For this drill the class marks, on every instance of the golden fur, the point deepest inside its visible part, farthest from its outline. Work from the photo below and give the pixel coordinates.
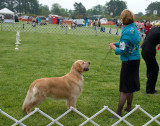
(66, 87)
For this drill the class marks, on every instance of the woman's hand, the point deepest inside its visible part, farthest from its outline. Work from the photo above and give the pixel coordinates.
(112, 46)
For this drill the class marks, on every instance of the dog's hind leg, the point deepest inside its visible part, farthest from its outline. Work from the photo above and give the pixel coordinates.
(71, 102)
(33, 104)
(32, 99)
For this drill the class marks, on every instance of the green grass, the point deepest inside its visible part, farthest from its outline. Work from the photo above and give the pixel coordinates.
(52, 55)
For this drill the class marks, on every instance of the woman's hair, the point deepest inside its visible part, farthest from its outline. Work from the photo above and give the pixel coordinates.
(147, 23)
(127, 17)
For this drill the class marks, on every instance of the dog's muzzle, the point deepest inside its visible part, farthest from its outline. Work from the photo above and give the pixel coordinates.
(86, 69)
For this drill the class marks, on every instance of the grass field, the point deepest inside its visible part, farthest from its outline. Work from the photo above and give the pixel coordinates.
(52, 55)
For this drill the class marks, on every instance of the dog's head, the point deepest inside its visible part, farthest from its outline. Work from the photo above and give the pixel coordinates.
(81, 66)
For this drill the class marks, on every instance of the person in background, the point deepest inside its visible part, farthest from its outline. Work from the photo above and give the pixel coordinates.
(73, 25)
(142, 27)
(116, 22)
(33, 22)
(96, 24)
(2, 18)
(142, 30)
(28, 20)
(128, 49)
(149, 55)
(137, 24)
(58, 21)
(39, 20)
(16, 18)
(148, 26)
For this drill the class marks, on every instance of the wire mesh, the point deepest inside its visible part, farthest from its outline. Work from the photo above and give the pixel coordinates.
(60, 29)
(19, 122)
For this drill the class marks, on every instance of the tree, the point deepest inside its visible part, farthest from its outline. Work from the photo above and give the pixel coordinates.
(98, 10)
(44, 10)
(89, 12)
(64, 12)
(151, 7)
(1, 4)
(10, 4)
(21, 6)
(115, 7)
(139, 14)
(71, 14)
(56, 9)
(80, 10)
(31, 6)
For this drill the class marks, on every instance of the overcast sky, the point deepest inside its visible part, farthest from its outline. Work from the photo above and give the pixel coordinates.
(134, 5)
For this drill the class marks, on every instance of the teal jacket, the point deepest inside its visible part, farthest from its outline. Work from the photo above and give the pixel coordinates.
(128, 45)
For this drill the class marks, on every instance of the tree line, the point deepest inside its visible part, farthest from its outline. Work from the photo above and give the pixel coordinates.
(111, 9)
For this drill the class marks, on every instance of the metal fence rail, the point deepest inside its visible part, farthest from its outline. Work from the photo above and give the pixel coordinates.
(56, 121)
(60, 29)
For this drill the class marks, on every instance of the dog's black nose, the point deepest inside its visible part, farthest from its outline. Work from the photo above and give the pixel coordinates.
(89, 63)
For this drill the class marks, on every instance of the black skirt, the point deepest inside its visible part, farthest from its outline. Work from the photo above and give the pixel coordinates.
(129, 76)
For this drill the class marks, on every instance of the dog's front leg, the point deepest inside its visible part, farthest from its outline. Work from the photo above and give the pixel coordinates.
(71, 102)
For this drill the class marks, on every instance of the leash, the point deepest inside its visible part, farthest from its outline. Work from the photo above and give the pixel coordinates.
(108, 52)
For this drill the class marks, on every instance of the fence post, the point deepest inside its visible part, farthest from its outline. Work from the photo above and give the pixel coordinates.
(35, 27)
(23, 26)
(117, 32)
(104, 30)
(66, 29)
(95, 27)
(110, 31)
(1, 26)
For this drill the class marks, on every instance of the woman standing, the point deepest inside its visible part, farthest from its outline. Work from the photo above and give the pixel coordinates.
(128, 49)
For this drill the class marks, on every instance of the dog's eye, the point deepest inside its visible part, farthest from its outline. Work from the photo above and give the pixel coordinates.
(82, 63)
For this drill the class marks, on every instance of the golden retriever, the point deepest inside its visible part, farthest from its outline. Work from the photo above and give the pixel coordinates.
(67, 87)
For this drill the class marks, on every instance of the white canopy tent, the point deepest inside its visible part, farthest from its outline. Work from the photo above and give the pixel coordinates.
(6, 11)
(8, 14)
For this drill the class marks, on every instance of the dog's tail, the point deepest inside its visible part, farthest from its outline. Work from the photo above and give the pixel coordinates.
(30, 97)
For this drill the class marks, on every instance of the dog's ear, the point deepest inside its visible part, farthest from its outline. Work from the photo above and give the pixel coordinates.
(79, 68)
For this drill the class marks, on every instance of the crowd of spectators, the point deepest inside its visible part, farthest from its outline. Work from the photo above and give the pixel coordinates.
(143, 27)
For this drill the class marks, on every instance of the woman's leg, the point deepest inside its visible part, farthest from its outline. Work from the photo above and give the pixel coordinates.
(129, 102)
(122, 100)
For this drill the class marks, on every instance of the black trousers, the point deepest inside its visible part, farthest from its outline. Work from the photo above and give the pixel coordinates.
(152, 70)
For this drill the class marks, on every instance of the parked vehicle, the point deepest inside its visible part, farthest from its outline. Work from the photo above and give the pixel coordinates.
(79, 22)
(27, 18)
(103, 21)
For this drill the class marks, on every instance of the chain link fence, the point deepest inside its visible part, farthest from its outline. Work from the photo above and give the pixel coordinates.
(88, 120)
(60, 29)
